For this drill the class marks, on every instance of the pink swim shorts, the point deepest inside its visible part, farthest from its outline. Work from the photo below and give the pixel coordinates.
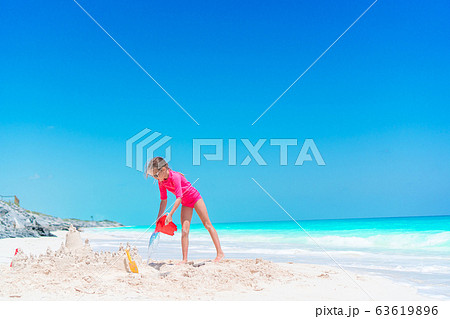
(190, 200)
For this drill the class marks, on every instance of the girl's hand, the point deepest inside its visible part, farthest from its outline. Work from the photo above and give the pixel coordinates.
(168, 219)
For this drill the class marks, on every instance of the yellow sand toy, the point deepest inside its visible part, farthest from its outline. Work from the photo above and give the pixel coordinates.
(132, 263)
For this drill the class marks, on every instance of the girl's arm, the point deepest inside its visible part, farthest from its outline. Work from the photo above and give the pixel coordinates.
(172, 211)
(162, 207)
(178, 194)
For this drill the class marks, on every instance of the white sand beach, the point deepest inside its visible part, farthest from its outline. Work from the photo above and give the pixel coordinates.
(59, 270)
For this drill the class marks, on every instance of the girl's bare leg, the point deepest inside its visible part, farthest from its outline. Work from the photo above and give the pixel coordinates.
(186, 216)
(200, 208)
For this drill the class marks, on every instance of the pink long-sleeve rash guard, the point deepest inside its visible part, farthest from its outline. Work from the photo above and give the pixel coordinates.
(177, 184)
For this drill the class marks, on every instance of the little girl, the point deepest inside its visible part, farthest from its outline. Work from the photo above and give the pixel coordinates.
(188, 197)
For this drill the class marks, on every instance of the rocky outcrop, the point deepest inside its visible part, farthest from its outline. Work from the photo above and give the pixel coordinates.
(16, 221)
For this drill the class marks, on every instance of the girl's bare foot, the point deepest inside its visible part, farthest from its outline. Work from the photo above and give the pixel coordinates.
(182, 262)
(219, 257)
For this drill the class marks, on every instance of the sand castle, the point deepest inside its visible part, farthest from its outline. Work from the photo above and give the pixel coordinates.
(73, 252)
(73, 239)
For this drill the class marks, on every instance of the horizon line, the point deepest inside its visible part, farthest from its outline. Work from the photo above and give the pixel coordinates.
(317, 219)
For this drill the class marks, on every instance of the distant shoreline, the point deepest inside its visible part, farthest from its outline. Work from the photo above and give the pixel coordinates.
(17, 222)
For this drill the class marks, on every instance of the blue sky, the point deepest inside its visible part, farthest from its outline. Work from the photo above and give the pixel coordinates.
(376, 105)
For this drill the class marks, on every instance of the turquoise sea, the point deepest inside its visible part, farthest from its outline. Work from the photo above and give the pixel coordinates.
(410, 250)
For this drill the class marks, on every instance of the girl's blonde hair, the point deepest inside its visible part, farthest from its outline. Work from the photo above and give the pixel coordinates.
(155, 163)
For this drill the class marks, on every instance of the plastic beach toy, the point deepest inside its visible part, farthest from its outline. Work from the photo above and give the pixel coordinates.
(168, 229)
(132, 263)
(17, 250)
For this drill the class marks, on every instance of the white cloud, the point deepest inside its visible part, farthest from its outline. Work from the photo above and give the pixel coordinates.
(34, 177)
